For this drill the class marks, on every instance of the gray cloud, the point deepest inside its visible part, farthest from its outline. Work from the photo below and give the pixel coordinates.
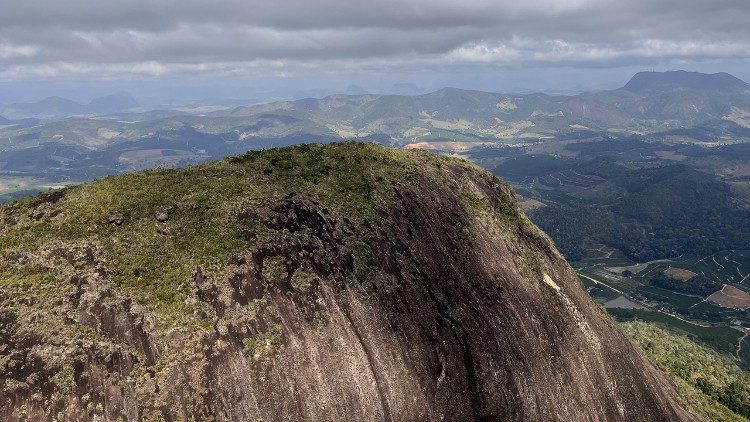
(87, 38)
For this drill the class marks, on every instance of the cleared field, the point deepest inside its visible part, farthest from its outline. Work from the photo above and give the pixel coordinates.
(450, 145)
(531, 204)
(15, 187)
(618, 282)
(731, 297)
(679, 273)
(635, 269)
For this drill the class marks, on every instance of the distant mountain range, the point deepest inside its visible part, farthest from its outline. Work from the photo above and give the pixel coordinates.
(109, 136)
(649, 103)
(674, 98)
(57, 107)
(680, 79)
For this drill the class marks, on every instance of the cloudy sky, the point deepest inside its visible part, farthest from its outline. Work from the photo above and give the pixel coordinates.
(190, 49)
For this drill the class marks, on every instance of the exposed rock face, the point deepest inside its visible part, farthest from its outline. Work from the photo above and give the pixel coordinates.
(444, 304)
(117, 219)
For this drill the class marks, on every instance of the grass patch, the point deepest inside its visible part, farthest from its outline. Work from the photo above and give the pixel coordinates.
(710, 384)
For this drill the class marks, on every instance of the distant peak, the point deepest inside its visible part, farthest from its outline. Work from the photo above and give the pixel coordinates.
(113, 103)
(680, 79)
(56, 99)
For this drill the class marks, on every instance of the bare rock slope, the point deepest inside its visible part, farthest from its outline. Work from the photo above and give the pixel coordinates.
(341, 282)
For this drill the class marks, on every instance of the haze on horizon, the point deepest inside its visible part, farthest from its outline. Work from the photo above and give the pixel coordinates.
(164, 51)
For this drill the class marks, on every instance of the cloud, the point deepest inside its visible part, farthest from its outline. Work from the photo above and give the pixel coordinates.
(10, 51)
(48, 39)
(537, 52)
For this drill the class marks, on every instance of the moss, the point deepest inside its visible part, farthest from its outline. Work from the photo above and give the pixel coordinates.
(64, 383)
(302, 280)
(274, 267)
(263, 344)
(362, 257)
(28, 278)
(476, 202)
(508, 211)
(532, 265)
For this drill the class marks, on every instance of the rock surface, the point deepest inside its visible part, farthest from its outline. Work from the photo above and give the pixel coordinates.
(161, 216)
(117, 219)
(385, 285)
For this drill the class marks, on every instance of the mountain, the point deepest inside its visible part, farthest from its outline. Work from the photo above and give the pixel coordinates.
(114, 103)
(51, 107)
(4, 121)
(644, 82)
(57, 107)
(340, 282)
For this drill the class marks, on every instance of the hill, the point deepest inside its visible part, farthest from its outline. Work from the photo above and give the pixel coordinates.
(647, 213)
(51, 107)
(680, 79)
(335, 282)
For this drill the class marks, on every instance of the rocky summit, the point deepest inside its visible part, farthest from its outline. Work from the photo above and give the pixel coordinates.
(342, 282)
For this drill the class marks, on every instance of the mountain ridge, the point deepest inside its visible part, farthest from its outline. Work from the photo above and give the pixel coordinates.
(680, 79)
(197, 292)
(56, 107)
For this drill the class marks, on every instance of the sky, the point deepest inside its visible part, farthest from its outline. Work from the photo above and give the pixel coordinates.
(180, 51)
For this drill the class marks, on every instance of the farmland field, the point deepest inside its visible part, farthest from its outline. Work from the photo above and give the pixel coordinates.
(719, 318)
(731, 297)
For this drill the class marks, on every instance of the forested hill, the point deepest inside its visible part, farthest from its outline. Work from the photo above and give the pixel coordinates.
(646, 213)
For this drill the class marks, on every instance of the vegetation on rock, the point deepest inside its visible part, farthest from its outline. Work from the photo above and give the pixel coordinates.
(342, 281)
